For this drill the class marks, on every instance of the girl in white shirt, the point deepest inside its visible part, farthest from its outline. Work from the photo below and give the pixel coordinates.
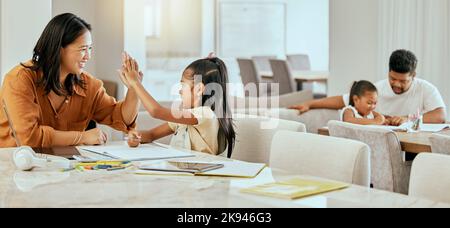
(363, 102)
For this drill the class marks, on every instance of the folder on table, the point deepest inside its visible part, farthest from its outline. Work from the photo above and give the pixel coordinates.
(295, 188)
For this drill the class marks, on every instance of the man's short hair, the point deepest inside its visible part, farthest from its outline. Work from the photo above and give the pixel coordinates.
(403, 61)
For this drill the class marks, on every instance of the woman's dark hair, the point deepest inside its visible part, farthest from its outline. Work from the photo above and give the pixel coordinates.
(359, 89)
(403, 61)
(214, 74)
(61, 31)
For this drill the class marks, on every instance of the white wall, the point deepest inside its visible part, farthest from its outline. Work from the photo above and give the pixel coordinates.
(109, 40)
(189, 28)
(134, 30)
(85, 9)
(308, 31)
(353, 43)
(181, 30)
(208, 27)
(20, 31)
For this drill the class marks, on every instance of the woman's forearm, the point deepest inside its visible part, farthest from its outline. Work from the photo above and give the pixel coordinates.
(130, 107)
(67, 138)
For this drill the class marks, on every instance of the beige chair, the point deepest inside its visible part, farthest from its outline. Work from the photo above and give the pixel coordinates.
(254, 136)
(321, 156)
(111, 88)
(250, 76)
(262, 64)
(299, 62)
(440, 144)
(430, 177)
(302, 62)
(248, 71)
(282, 76)
(389, 170)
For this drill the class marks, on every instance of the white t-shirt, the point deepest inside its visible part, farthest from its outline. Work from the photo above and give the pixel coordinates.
(201, 137)
(421, 96)
(371, 116)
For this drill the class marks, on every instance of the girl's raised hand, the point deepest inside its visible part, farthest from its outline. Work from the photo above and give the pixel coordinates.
(131, 76)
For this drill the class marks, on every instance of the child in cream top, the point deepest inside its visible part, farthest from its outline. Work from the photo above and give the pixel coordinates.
(201, 137)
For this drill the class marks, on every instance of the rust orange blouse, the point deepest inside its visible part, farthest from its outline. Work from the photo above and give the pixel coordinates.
(35, 119)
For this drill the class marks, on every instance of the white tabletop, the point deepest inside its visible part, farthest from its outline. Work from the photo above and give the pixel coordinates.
(46, 188)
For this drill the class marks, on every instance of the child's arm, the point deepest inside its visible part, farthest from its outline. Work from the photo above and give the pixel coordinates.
(380, 118)
(157, 133)
(137, 137)
(130, 76)
(349, 117)
(162, 113)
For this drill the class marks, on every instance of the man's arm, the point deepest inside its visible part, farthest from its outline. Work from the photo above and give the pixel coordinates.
(336, 102)
(437, 116)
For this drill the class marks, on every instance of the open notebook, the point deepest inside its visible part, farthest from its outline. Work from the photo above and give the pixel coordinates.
(144, 152)
(229, 169)
(295, 188)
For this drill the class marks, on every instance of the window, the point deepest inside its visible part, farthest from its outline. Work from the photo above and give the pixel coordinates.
(152, 16)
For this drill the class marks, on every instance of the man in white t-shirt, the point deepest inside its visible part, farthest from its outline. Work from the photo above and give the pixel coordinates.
(400, 95)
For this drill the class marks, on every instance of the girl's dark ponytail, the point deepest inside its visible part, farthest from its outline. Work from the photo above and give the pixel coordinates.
(226, 120)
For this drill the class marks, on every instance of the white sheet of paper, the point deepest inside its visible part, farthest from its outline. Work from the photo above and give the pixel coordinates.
(237, 169)
(433, 127)
(143, 152)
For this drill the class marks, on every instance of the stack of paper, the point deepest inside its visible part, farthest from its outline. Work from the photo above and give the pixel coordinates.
(434, 127)
(295, 188)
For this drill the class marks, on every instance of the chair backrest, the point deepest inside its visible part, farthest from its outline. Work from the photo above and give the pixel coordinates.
(321, 156)
(440, 144)
(282, 76)
(248, 71)
(430, 177)
(255, 134)
(299, 62)
(316, 118)
(262, 63)
(389, 171)
(111, 88)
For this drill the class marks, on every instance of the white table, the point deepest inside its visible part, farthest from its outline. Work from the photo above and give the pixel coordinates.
(42, 188)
